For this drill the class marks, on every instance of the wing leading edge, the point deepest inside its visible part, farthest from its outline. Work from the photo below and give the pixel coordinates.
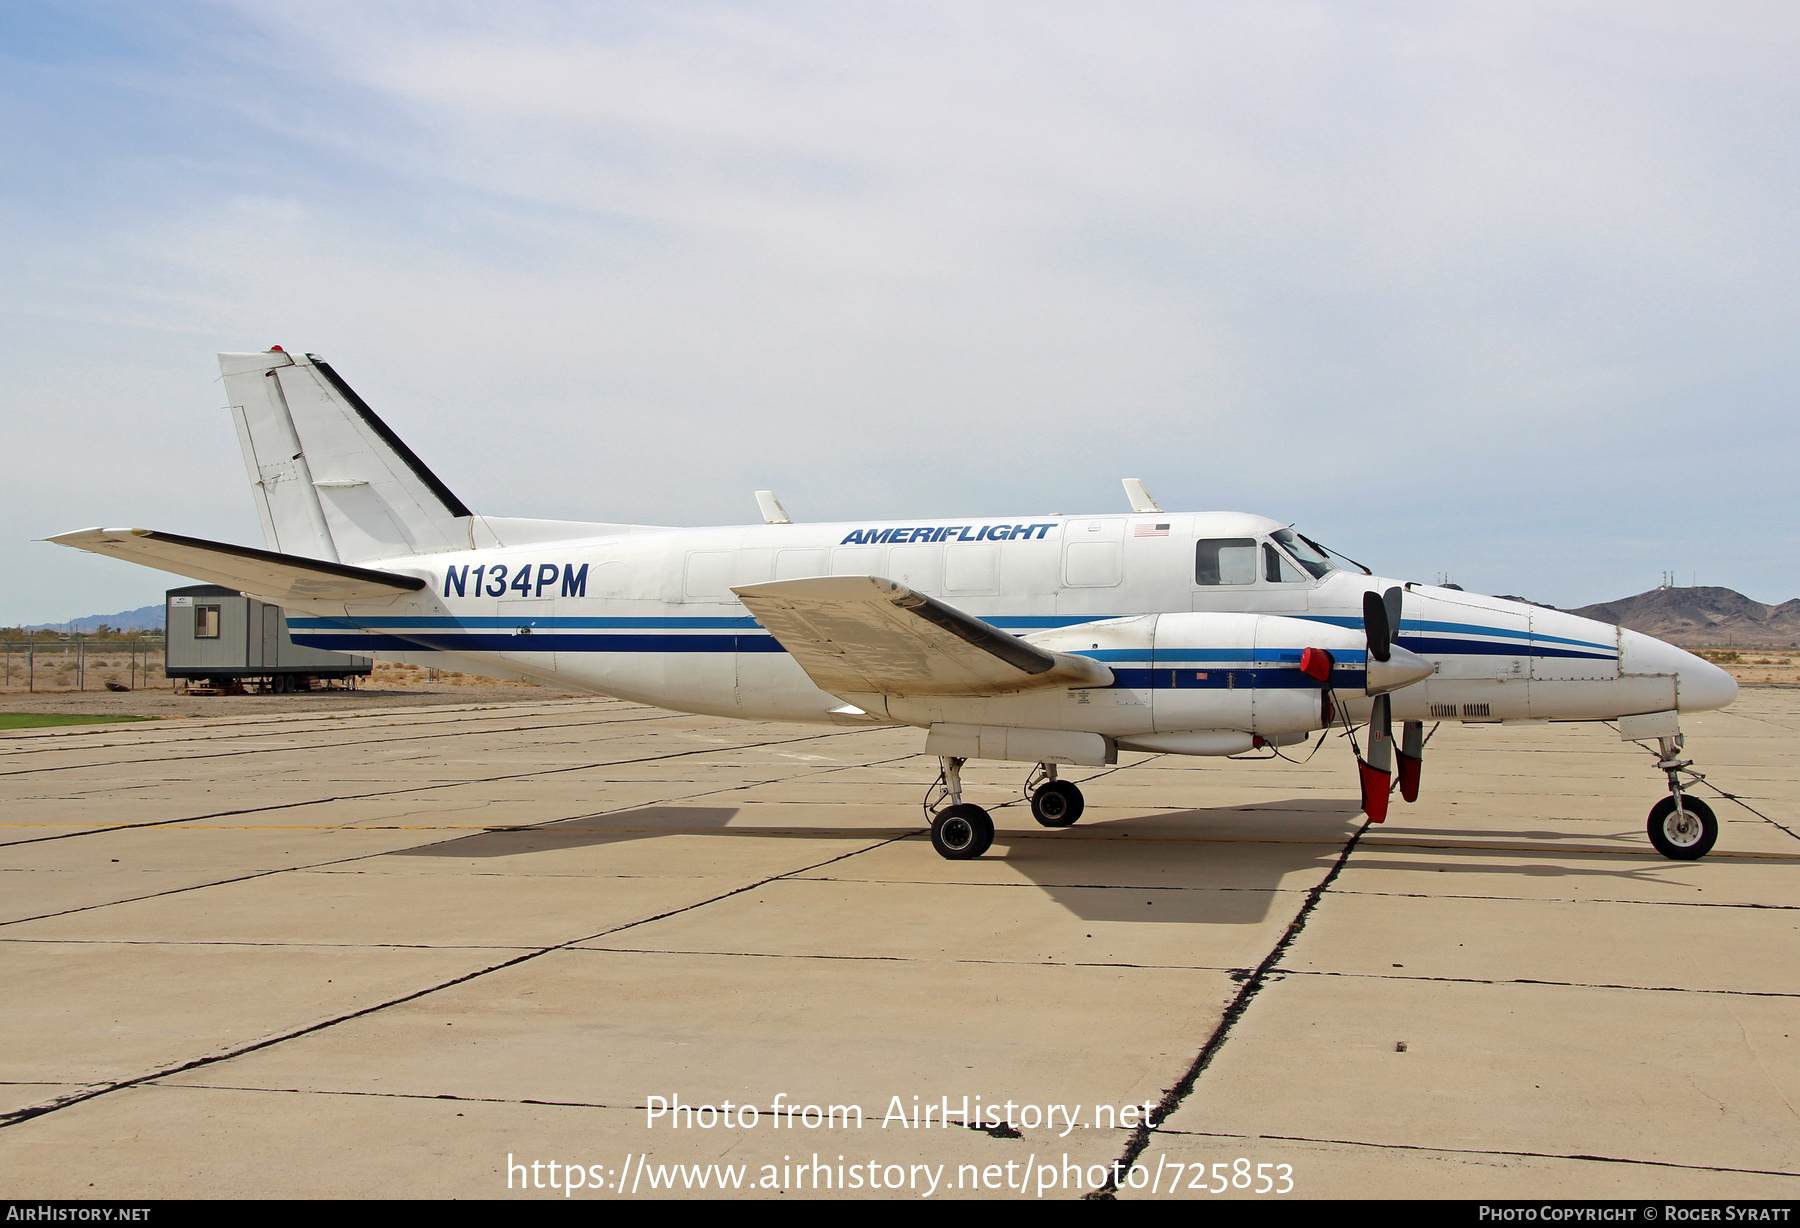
(866, 635)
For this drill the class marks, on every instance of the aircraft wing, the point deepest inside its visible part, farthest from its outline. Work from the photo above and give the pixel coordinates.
(279, 578)
(866, 635)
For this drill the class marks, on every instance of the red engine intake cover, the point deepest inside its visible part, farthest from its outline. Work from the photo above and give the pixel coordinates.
(1316, 663)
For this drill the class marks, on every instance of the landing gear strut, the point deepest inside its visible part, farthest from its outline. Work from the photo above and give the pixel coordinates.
(1681, 827)
(960, 831)
(1054, 803)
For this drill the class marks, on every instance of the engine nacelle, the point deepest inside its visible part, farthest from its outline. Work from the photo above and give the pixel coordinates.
(1213, 673)
(1219, 681)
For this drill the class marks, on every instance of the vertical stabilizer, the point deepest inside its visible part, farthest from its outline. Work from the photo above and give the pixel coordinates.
(331, 480)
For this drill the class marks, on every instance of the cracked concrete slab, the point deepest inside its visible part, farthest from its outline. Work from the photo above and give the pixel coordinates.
(91, 1013)
(1650, 946)
(461, 1148)
(614, 1027)
(1683, 1078)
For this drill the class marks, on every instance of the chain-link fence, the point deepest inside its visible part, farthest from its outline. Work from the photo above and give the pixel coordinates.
(81, 665)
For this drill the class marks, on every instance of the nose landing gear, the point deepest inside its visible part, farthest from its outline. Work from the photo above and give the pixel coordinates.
(1682, 827)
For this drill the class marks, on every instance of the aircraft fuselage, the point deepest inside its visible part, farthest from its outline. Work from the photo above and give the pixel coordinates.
(648, 615)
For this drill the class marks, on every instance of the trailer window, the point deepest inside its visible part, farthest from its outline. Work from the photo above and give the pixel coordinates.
(206, 622)
(1225, 560)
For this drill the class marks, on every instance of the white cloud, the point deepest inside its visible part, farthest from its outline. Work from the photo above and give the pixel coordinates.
(1451, 284)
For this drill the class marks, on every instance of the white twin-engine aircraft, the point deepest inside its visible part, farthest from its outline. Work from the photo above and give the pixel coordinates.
(1046, 639)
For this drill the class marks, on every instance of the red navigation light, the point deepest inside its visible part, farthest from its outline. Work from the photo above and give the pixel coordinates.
(275, 349)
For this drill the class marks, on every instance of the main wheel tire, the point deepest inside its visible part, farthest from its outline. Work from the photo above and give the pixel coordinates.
(1057, 803)
(962, 833)
(1684, 835)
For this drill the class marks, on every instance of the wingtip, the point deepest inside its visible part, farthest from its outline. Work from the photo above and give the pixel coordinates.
(82, 538)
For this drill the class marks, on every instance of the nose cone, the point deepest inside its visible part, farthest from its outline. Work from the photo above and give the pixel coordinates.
(1402, 668)
(1700, 686)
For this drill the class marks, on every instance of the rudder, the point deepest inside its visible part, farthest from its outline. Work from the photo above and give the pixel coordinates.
(330, 479)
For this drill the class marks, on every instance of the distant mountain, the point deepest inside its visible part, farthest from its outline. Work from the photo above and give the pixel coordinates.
(1703, 617)
(144, 618)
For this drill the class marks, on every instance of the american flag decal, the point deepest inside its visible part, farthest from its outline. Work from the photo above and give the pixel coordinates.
(1150, 530)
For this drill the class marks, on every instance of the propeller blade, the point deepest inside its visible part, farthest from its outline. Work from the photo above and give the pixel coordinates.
(1381, 734)
(1375, 623)
(1391, 599)
(1412, 758)
(1373, 773)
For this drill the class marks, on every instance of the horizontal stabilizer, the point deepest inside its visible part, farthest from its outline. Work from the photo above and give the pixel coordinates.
(264, 574)
(868, 636)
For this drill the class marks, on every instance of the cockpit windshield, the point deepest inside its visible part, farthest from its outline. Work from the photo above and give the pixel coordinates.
(1303, 552)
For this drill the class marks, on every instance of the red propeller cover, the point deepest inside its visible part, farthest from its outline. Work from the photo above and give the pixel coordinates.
(1409, 775)
(1375, 783)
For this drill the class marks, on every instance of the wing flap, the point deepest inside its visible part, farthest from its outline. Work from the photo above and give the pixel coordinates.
(866, 635)
(279, 578)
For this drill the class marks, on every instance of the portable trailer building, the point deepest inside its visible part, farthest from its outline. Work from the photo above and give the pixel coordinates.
(220, 635)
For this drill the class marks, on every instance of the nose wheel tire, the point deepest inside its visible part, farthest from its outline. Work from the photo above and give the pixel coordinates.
(1057, 804)
(962, 833)
(1684, 834)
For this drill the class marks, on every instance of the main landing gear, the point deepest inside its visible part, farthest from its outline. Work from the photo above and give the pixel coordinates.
(1682, 827)
(962, 830)
(1054, 803)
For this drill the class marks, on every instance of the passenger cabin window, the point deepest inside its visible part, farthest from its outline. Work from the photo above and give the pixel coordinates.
(1279, 569)
(206, 622)
(1225, 560)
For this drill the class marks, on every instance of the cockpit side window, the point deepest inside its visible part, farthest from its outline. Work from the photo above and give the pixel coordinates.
(1313, 560)
(1279, 569)
(1225, 560)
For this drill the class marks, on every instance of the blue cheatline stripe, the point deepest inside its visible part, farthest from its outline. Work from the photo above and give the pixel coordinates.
(1479, 648)
(1416, 625)
(436, 622)
(1024, 622)
(638, 622)
(1229, 679)
(548, 642)
(1161, 678)
(338, 637)
(1170, 656)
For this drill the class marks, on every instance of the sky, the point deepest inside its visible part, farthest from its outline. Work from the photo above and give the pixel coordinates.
(1504, 292)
